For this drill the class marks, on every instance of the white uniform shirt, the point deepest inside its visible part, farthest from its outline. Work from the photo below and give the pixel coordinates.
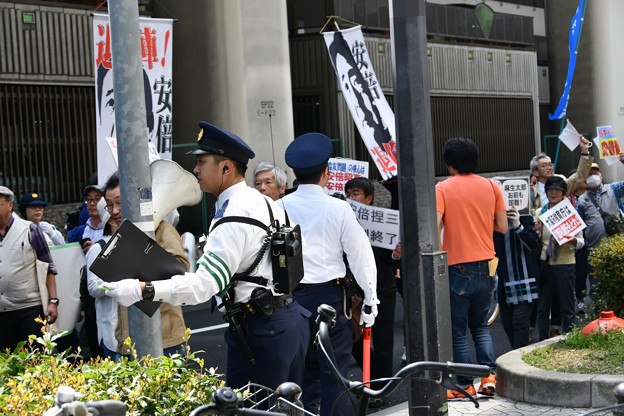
(329, 227)
(230, 248)
(105, 306)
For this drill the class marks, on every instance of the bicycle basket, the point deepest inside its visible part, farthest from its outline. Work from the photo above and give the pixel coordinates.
(256, 396)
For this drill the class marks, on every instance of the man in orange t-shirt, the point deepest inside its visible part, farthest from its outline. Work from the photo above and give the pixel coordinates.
(470, 208)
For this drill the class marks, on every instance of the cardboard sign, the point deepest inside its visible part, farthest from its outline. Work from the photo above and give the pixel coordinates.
(68, 259)
(562, 220)
(343, 170)
(608, 145)
(380, 224)
(516, 192)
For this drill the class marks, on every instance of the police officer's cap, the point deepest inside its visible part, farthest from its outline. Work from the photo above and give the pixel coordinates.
(32, 200)
(216, 141)
(308, 153)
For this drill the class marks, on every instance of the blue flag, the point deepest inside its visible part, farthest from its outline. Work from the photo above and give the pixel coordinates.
(575, 36)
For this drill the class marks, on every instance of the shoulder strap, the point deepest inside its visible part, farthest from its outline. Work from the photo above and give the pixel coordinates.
(246, 220)
(263, 249)
(595, 204)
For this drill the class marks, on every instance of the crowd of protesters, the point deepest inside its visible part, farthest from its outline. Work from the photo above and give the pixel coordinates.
(541, 284)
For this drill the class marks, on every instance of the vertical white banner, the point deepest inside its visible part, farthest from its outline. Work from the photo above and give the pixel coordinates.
(368, 106)
(156, 53)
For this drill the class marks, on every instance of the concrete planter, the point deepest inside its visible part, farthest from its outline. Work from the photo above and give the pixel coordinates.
(520, 381)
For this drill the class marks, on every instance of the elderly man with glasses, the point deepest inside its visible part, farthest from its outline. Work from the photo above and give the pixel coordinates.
(542, 168)
(89, 233)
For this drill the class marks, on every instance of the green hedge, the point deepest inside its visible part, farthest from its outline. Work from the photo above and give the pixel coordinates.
(607, 261)
(30, 377)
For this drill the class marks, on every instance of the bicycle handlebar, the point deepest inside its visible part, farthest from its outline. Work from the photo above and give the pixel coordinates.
(67, 404)
(326, 318)
(227, 402)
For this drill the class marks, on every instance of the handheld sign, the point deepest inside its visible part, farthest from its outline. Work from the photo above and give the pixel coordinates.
(608, 145)
(341, 171)
(515, 192)
(380, 224)
(562, 220)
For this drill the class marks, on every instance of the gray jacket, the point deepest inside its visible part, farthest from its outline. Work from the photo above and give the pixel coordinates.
(608, 202)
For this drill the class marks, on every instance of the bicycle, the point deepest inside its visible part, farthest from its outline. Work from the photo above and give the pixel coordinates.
(444, 371)
(68, 404)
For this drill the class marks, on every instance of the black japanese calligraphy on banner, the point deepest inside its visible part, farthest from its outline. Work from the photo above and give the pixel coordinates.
(361, 90)
(516, 192)
(156, 51)
(380, 224)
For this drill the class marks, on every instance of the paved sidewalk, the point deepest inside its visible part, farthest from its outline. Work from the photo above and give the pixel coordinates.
(496, 405)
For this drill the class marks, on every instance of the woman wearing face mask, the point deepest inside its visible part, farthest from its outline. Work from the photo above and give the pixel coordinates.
(558, 270)
(605, 196)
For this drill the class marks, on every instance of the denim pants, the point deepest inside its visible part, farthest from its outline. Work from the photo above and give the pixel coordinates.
(470, 288)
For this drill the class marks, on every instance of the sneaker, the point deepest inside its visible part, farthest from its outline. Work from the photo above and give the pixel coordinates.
(488, 385)
(458, 395)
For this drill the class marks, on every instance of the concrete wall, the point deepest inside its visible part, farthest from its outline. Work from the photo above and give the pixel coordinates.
(235, 72)
(597, 94)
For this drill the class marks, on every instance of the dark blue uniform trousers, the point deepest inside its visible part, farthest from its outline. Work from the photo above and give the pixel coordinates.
(278, 344)
(318, 382)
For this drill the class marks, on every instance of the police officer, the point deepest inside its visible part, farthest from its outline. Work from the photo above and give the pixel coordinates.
(277, 342)
(329, 228)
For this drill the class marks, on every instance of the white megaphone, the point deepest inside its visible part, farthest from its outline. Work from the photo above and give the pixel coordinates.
(172, 187)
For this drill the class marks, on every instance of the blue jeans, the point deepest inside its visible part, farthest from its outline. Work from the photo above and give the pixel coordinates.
(470, 288)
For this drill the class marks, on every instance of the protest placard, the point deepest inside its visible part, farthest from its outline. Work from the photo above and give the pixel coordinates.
(608, 145)
(515, 192)
(562, 221)
(380, 224)
(341, 171)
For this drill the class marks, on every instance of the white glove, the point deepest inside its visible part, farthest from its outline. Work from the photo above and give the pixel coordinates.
(514, 216)
(368, 315)
(47, 228)
(127, 292)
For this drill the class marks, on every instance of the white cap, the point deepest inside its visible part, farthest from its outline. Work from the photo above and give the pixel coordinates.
(6, 191)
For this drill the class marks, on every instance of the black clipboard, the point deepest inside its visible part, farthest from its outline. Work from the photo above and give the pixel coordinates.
(132, 254)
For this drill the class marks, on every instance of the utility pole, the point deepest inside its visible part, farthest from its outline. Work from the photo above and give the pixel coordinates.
(132, 149)
(424, 269)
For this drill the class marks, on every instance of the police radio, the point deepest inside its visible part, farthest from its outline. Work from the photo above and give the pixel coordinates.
(286, 258)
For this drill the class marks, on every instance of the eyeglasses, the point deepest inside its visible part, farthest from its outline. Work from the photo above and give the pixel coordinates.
(92, 200)
(546, 165)
(111, 206)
